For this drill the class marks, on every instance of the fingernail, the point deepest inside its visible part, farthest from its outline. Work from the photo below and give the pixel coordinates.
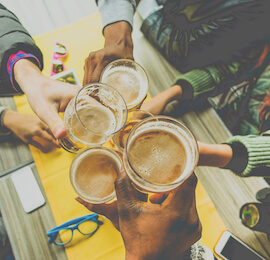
(59, 132)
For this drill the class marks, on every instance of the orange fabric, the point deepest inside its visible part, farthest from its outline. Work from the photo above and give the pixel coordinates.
(82, 38)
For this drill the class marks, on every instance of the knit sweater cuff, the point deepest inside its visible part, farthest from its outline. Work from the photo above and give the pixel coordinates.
(258, 154)
(198, 79)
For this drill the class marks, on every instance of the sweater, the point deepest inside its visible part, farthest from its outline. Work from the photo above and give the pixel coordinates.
(13, 38)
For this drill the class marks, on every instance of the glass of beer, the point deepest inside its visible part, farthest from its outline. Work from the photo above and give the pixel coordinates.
(96, 113)
(160, 154)
(93, 172)
(129, 78)
(134, 116)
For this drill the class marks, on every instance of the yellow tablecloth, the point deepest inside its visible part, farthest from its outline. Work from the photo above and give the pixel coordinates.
(82, 38)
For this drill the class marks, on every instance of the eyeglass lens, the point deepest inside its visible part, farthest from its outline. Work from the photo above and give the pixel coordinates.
(86, 228)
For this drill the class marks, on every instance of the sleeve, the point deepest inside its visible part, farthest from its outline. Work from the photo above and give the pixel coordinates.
(251, 155)
(13, 38)
(113, 11)
(208, 81)
(197, 252)
(191, 35)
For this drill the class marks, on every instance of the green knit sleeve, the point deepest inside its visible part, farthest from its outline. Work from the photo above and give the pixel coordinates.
(207, 80)
(258, 148)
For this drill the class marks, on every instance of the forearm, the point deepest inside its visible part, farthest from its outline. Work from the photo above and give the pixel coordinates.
(119, 34)
(157, 104)
(216, 155)
(27, 75)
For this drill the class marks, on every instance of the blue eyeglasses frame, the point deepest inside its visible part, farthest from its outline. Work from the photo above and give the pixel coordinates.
(75, 223)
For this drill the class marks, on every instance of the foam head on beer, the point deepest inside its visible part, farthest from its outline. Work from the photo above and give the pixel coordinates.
(93, 172)
(129, 78)
(160, 154)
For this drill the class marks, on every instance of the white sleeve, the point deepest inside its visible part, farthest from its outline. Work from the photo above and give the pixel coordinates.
(113, 11)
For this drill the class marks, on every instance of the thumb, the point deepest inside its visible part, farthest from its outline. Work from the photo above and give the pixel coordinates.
(124, 190)
(55, 123)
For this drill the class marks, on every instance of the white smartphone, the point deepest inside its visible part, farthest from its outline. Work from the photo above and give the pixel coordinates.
(229, 247)
(27, 189)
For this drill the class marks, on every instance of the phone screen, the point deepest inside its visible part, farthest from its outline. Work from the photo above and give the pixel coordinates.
(234, 250)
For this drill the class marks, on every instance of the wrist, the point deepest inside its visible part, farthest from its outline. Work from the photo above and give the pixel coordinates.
(216, 155)
(26, 73)
(9, 119)
(118, 34)
(176, 92)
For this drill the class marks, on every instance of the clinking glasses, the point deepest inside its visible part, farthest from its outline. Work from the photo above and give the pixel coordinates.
(59, 51)
(63, 234)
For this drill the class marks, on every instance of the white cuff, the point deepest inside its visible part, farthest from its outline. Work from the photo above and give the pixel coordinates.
(113, 11)
(147, 7)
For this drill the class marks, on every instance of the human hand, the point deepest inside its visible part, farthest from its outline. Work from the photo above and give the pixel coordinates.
(31, 130)
(151, 230)
(118, 45)
(47, 97)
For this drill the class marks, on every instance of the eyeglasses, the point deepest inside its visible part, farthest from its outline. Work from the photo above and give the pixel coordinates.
(59, 51)
(63, 234)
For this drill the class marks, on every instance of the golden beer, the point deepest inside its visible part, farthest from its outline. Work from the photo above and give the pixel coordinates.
(160, 154)
(134, 117)
(129, 78)
(93, 172)
(93, 117)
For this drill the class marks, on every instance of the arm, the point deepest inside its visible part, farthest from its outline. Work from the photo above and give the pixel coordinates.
(30, 129)
(244, 155)
(13, 38)
(196, 84)
(117, 19)
(22, 73)
(164, 228)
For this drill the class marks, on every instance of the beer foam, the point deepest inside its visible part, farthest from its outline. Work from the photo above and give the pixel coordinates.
(102, 166)
(161, 149)
(131, 84)
(99, 122)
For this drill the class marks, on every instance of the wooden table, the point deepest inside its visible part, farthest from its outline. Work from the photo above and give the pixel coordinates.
(227, 191)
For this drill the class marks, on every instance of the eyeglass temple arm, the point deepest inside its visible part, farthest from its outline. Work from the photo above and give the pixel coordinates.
(71, 222)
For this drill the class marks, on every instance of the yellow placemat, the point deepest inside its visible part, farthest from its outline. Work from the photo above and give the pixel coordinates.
(80, 39)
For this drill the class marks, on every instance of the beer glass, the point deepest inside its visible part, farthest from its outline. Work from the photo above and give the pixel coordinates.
(129, 78)
(134, 116)
(160, 154)
(93, 172)
(96, 113)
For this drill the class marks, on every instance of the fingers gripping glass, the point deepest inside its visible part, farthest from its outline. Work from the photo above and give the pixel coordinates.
(63, 234)
(59, 51)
